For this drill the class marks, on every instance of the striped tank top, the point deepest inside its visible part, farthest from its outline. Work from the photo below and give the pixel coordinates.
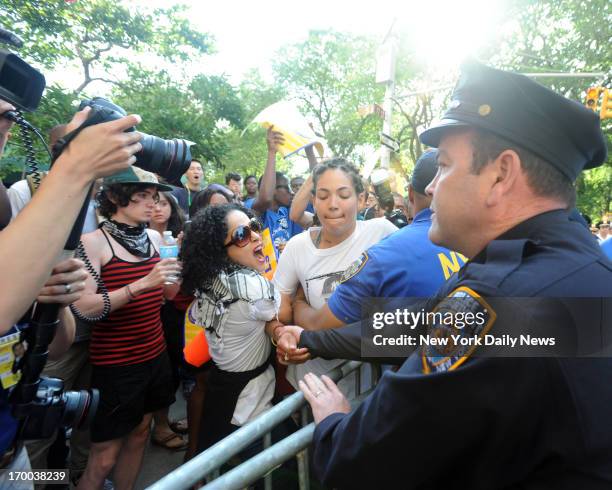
(133, 333)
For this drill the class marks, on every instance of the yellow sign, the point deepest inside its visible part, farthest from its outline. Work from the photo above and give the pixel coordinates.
(287, 119)
(270, 255)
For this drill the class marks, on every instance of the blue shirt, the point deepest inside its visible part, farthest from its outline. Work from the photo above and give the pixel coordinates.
(280, 226)
(406, 264)
(607, 248)
(249, 202)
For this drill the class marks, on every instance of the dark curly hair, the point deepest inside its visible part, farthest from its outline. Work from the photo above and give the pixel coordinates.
(338, 164)
(122, 193)
(203, 254)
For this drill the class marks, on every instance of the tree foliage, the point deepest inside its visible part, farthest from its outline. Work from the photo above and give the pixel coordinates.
(331, 75)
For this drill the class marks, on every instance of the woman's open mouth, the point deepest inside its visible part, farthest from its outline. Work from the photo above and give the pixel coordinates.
(258, 253)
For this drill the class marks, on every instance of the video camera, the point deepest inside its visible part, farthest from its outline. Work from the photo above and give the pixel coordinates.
(41, 403)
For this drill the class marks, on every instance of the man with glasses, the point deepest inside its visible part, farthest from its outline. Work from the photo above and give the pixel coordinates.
(123, 296)
(272, 203)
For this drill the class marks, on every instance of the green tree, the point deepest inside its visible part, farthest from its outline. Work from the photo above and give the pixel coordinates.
(331, 75)
(100, 36)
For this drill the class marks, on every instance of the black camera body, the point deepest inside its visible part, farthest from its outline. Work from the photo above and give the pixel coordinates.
(53, 407)
(397, 218)
(168, 158)
(20, 84)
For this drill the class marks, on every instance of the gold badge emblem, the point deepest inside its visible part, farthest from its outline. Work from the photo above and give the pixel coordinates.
(484, 110)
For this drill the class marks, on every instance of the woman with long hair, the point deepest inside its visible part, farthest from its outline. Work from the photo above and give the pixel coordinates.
(168, 216)
(223, 262)
(212, 195)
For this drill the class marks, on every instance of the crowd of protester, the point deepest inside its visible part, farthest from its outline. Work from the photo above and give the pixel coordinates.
(131, 305)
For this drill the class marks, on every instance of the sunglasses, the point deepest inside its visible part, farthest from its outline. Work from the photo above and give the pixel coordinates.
(241, 236)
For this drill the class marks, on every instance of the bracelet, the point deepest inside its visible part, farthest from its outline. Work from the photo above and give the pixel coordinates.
(131, 295)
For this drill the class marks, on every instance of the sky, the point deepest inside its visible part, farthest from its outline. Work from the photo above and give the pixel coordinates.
(248, 33)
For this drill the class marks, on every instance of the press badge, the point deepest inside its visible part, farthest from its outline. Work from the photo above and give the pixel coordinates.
(455, 329)
(12, 350)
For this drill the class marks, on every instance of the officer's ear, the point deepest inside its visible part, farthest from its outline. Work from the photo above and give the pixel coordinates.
(410, 194)
(505, 173)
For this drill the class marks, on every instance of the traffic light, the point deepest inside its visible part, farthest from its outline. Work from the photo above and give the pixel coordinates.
(606, 105)
(592, 98)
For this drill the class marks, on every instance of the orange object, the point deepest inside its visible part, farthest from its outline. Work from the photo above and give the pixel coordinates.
(196, 346)
(196, 352)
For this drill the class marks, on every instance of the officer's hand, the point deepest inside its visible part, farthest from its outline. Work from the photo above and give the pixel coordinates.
(324, 396)
(66, 283)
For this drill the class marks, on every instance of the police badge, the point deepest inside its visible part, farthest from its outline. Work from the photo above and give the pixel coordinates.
(353, 269)
(455, 328)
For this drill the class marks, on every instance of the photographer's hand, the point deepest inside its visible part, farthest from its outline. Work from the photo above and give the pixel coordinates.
(102, 149)
(32, 242)
(66, 283)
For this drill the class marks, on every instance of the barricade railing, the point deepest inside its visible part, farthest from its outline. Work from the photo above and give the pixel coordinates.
(210, 461)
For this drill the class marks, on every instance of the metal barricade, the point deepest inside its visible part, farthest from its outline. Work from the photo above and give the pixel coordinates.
(210, 461)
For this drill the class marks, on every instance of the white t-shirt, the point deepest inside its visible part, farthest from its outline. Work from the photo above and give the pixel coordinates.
(243, 345)
(19, 195)
(319, 271)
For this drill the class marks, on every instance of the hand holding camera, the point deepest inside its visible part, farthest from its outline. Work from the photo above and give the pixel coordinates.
(102, 149)
(65, 284)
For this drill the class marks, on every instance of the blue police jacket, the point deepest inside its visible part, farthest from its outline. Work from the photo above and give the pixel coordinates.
(491, 423)
(406, 264)
(607, 248)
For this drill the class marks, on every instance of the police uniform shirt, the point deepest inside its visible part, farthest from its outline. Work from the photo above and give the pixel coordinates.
(491, 423)
(405, 264)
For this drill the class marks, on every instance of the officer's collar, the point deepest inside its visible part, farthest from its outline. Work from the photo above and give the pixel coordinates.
(532, 228)
(422, 215)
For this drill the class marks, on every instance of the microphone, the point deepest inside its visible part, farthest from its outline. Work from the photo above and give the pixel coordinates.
(10, 38)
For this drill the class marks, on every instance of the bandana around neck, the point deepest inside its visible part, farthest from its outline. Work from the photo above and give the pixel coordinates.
(133, 238)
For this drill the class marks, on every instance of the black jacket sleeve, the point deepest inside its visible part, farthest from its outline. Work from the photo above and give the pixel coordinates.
(341, 343)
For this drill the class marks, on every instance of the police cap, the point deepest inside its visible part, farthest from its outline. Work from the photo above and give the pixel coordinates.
(560, 131)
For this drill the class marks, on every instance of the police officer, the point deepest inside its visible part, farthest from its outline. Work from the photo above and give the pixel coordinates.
(406, 264)
(509, 152)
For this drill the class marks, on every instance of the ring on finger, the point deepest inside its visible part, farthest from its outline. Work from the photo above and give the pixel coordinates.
(67, 288)
(286, 357)
(316, 395)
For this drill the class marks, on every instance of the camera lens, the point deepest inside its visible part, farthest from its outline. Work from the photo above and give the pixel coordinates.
(168, 158)
(80, 408)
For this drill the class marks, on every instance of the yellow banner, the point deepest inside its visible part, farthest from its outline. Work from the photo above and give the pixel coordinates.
(268, 251)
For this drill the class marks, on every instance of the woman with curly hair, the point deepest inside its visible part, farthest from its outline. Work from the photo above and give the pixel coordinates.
(223, 262)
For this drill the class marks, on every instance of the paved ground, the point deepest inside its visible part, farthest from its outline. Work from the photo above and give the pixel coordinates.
(158, 461)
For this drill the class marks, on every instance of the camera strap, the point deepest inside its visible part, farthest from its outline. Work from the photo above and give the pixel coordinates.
(81, 254)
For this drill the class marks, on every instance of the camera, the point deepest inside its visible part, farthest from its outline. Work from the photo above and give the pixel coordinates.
(20, 84)
(41, 404)
(382, 191)
(53, 407)
(168, 158)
